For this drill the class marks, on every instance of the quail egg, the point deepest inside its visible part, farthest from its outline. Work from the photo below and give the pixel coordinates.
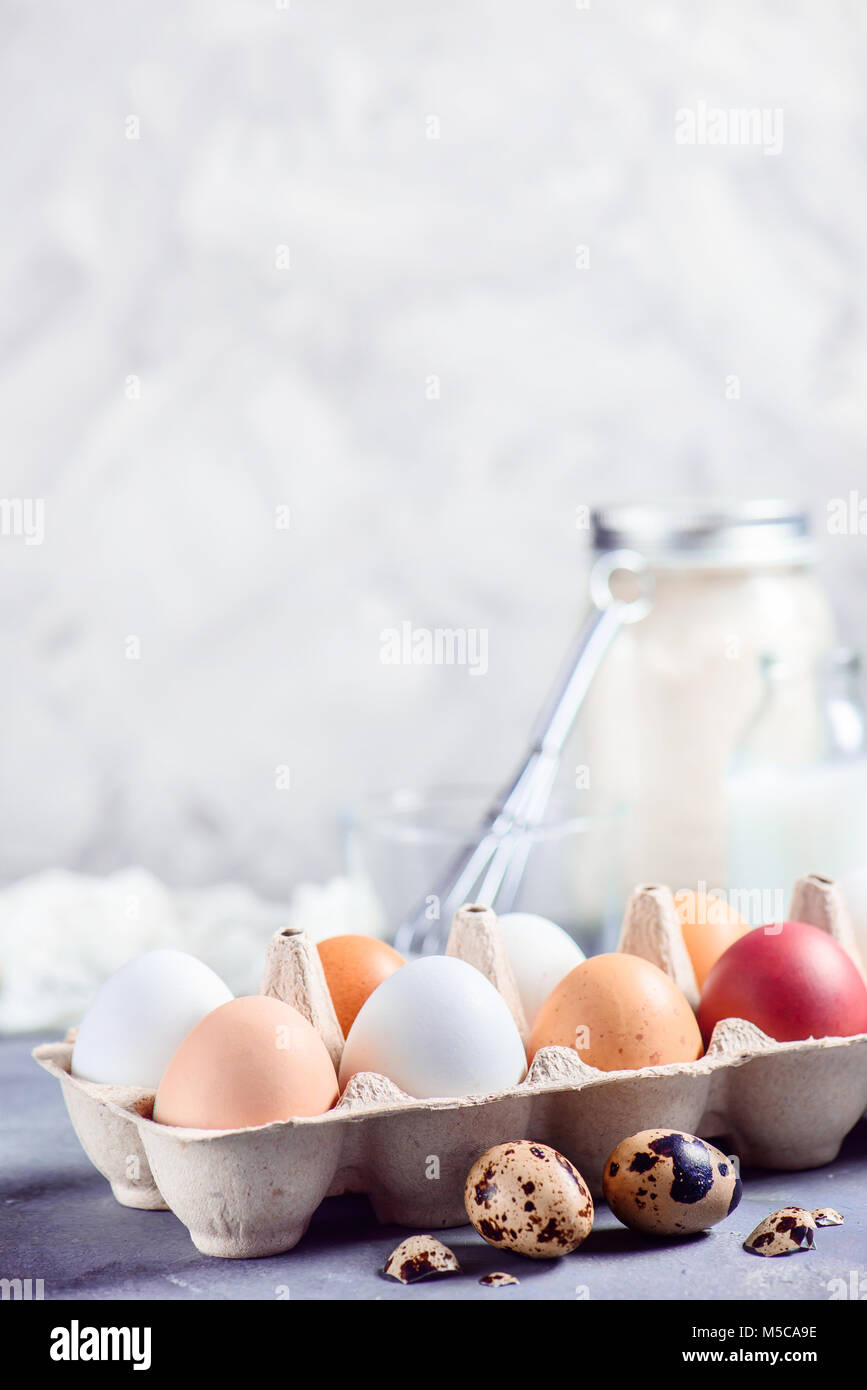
(528, 1198)
(663, 1182)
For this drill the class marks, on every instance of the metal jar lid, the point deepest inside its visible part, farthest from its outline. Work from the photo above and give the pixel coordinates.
(708, 534)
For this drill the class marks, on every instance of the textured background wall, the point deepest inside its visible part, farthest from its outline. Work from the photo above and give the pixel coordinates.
(244, 309)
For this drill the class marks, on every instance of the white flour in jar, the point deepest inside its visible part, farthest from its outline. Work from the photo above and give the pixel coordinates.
(675, 690)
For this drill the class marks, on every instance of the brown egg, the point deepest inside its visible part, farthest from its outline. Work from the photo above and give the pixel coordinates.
(249, 1062)
(709, 927)
(354, 966)
(618, 1011)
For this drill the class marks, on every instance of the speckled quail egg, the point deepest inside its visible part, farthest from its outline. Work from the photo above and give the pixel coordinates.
(666, 1183)
(528, 1198)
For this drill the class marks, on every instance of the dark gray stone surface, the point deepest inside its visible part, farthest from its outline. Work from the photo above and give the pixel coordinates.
(60, 1223)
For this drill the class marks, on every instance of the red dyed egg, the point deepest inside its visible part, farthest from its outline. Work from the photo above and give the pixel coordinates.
(791, 980)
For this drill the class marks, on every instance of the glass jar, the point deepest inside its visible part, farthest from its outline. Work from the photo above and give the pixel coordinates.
(797, 786)
(663, 716)
(397, 845)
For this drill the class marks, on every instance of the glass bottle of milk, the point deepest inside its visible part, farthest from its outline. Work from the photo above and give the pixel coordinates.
(797, 784)
(668, 706)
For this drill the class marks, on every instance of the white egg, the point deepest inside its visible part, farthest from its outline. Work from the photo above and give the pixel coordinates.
(540, 954)
(436, 1028)
(141, 1014)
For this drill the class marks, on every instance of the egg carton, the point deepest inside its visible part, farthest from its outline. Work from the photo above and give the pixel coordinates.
(252, 1192)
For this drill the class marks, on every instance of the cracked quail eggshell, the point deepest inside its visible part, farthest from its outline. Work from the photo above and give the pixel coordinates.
(418, 1257)
(784, 1232)
(827, 1216)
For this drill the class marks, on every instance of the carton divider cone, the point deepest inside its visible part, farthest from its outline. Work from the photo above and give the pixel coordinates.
(651, 929)
(475, 937)
(293, 972)
(820, 902)
(368, 1088)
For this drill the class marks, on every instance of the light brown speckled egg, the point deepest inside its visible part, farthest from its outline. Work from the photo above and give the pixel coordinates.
(528, 1198)
(666, 1183)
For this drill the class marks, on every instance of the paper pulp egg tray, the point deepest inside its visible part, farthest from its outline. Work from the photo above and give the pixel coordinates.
(252, 1192)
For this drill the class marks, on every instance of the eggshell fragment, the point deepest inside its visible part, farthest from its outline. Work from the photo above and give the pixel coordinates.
(827, 1216)
(618, 1012)
(418, 1257)
(497, 1280)
(782, 1233)
(528, 1198)
(664, 1182)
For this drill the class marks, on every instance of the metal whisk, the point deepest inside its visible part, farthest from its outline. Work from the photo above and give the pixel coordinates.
(489, 869)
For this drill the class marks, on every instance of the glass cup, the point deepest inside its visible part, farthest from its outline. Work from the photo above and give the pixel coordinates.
(397, 846)
(797, 782)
